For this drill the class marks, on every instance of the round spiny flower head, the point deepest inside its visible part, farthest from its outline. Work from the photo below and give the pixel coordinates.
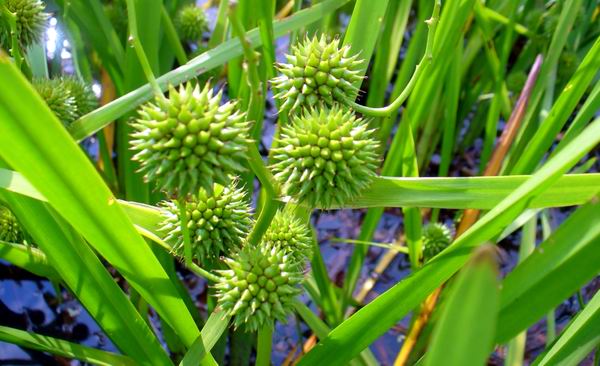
(188, 141)
(58, 97)
(290, 235)
(191, 23)
(259, 286)
(10, 230)
(31, 22)
(436, 237)
(325, 156)
(218, 222)
(318, 71)
(82, 93)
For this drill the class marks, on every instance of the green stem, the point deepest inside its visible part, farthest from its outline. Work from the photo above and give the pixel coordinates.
(256, 100)
(15, 49)
(262, 173)
(263, 347)
(172, 36)
(267, 213)
(419, 69)
(202, 272)
(134, 39)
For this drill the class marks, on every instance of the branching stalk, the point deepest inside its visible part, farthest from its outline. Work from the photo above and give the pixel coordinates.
(419, 69)
(134, 39)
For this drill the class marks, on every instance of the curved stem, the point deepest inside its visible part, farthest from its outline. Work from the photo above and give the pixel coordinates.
(419, 69)
(263, 347)
(15, 49)
(134, 39)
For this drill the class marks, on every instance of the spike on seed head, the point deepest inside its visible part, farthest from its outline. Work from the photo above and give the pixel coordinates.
(317, 72)
(290, 235)
(188, 140)
(436, 237)
(326, 157)
(191, 23)
(10, 230)
(218, 222)
(31, 22)
(259, 286)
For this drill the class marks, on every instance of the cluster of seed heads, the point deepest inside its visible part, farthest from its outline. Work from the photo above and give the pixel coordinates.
(436, 237)
(191, 23)
(67, 97)
(317, 72)
(325, 156)
(290, 235)
(189, 140)
(10, 230)
(258, 286)
(31, 22)
(218, 222)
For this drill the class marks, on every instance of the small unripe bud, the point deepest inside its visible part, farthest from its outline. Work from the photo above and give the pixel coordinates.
(10, 230)
(259, 286)
(289, 234)
(325, 157)
(218, 222)
(191, 23)
(436, 237)
(317, 72)
(188, 141)
(58, 98)
(31, 22)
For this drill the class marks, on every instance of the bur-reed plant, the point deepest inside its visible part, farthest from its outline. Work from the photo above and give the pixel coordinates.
(477, 112)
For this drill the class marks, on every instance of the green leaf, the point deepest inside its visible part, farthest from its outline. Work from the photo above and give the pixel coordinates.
(215, 57)
(567, 260)
(29, 258)
(211, 332)
(35, 143)
(451, 193)
(577, 340)
(350, 337)
(62, 348)
(465, 331)
(560, 112)
(472, 192)
(84, 274)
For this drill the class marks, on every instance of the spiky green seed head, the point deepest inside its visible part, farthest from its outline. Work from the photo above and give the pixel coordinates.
(82, 93)
(10, 230)
(191, 23)
(218, 223)
(188, 140)
(325, 156)
(58, 97)
(436, 237)
(258, 287)
(31, 22)
(317, 72)
(290, 235)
